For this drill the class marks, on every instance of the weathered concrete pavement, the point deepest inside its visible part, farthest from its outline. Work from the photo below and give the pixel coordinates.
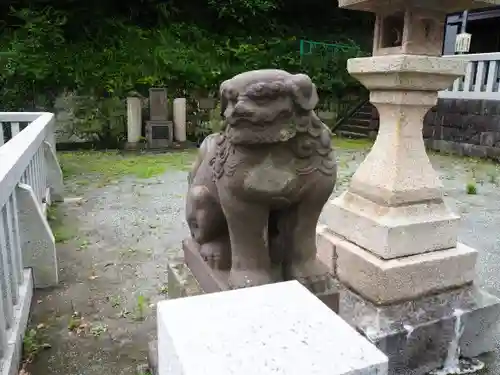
(113, 270)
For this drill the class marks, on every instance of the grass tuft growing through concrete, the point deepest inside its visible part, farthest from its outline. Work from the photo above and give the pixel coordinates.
(471, 188)
(62, 232)
(33, 344)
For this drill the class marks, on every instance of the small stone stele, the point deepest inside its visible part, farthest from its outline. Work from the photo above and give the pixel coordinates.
(158, 104)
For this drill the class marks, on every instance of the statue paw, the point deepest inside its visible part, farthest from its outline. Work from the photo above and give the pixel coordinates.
(313, 274)
(248, 278)
(216, 254)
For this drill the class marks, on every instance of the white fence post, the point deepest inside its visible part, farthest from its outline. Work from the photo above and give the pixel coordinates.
(481, 80)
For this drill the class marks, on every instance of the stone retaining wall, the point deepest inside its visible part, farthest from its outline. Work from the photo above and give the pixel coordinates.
(464, 127)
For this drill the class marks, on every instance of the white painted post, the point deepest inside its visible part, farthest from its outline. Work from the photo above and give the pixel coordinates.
(480, 72)
(468, 76)
(6, 219)
(54, 174)
(180, 119)
(492, 76)
(15, 129)
(37, 241)
(5, 277)
(3, 332)
(134, 121)
(14, 230)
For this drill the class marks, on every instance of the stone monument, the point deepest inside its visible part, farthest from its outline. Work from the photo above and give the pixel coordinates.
(257, 188)
(393, 240)
(159, 131)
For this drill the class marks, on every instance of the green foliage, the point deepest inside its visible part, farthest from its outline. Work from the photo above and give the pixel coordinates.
(103, 120)
(33, 344)
(239, 10)
(103, 52)
(471, 188)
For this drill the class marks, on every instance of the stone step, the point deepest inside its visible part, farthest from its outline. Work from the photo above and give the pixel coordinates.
(356, 129)
(352, 135)
(365, 113)
(366, 123)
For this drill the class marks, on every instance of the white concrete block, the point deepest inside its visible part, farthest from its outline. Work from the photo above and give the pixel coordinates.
(272, 329)
(180, 119)
(134, 119)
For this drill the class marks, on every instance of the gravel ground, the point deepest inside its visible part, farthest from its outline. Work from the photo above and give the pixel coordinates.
(113, 267)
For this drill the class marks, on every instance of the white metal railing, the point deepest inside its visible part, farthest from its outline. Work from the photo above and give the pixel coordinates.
(481, 80)
(22, 161)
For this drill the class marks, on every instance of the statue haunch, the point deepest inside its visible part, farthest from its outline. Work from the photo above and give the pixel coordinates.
(258, 187)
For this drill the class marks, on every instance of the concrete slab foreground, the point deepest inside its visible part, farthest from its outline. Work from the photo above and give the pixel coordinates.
(261, 330)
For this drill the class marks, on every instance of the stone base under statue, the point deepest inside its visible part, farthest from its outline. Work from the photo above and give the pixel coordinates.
(211, 280)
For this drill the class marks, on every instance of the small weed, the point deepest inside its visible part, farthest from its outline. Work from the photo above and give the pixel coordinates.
(140, 308)
(143, 370)
(33, 344)
(77, 324)
(115, 301)
(51, 213)
(492, 177)
(83, 244)
(164, 289)
(98, 329)
(471, 188)
(124, 313)
(63, 234)
(61, 230)
(74, 322)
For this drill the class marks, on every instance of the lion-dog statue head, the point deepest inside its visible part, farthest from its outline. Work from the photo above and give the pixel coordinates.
(269, 106)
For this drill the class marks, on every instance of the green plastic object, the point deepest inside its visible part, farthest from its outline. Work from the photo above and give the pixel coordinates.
(309, 47)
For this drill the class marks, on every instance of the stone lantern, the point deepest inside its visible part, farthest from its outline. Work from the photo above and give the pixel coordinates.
(393, 237)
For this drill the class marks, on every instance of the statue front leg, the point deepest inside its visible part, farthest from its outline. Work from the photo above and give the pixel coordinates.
(250, 264)
(299, 231)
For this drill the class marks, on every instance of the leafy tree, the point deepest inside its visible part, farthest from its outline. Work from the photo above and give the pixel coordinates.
(105, 49)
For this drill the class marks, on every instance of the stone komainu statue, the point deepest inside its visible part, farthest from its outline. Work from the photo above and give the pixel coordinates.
(257, 188)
